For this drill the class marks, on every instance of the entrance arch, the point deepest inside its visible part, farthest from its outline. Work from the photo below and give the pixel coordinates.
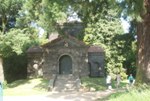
(65, 65)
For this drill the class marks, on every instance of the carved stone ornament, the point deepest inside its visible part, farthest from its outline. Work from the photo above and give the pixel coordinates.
(66, 44)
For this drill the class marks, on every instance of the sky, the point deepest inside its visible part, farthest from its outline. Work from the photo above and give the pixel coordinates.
(125, 25)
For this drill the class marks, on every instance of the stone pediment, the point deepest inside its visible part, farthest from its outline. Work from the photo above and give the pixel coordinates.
(67, 41)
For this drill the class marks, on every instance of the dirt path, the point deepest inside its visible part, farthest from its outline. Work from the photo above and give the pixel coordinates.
(63, 96)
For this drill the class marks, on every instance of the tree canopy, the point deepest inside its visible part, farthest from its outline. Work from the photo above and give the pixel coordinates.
(43, 13)
(8, 12)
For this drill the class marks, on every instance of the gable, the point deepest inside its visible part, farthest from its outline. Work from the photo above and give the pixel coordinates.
(68, 41)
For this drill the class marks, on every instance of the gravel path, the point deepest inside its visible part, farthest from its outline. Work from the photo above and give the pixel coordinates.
(62, 96)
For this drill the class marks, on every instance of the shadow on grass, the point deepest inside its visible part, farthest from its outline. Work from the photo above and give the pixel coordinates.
(94, 82)
(17, 83)
(43, 85)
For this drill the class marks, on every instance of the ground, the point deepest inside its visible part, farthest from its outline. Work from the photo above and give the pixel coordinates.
(36, 89)
(63, 96)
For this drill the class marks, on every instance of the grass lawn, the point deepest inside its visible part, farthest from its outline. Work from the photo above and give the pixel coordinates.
(39, 86)
(141, 93)
(26, 87)
(133, 95)
(99, 83)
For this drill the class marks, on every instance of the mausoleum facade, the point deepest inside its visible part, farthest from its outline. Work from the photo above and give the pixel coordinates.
(63, 56)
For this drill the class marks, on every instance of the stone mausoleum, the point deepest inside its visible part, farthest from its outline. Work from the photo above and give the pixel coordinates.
(63, 56)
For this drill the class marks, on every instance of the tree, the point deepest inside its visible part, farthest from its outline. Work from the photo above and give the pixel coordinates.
(8, 13)
(140, 9)
(42, 13)
(87, 9)
(105, 32)
(143, 33)
(127, 50)
(14, 42)
(13, 46)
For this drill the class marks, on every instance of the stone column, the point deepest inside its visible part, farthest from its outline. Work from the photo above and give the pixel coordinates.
(1, 70)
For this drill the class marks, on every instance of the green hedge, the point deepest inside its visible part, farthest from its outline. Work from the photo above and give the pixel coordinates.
(15, 67)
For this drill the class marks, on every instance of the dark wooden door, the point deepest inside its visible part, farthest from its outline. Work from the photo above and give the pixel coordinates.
(65, 65)
(94, 70)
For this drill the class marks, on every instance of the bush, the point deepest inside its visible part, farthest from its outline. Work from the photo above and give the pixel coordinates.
(15, 68)
(4, 84)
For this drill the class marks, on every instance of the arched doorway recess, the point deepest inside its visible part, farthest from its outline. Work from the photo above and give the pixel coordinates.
(65, 65)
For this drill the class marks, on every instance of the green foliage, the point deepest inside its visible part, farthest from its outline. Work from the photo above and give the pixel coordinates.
(134, 9)
(4, 85)
(8, 7)
(129, 51)
(43, 13)
(15, 41)
(104, 33)
(88, 9)
(15, 67)
(13, 46)
(8, 12)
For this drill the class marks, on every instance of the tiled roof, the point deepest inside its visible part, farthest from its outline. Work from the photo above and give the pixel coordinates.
(35, 49)
(95, 49)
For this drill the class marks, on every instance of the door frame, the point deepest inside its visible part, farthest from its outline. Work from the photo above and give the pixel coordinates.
(58, 69)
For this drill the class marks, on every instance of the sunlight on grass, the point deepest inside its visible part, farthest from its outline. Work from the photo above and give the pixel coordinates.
(39, 86)
(97, 83)
(135, 94)
(26, 87)
(131, 96)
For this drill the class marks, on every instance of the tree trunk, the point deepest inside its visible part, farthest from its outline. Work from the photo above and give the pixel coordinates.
(4, 23)
(1, 70)
(143, 32)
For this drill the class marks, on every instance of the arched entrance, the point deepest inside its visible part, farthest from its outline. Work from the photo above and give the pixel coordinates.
(65, 65)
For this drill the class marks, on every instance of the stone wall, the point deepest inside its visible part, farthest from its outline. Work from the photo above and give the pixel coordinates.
(97, 58)
(35, 64)
(53, 54)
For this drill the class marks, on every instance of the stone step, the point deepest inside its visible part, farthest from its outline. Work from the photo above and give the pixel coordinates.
(66, 83)
(66, 77)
